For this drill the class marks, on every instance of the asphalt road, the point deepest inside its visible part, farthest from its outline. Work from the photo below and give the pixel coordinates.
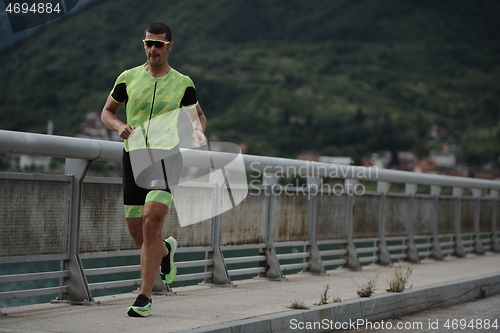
(480, 316)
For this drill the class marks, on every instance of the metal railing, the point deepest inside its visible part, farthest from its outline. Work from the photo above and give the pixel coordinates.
(312, 227)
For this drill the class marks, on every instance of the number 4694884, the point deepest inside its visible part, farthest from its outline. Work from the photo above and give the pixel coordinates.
(25, 8)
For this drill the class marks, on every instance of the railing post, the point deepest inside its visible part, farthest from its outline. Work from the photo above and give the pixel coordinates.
(459, 247)
(412, 251)
(316, 264)
(79, 292)
(495, 246)
(269, 180)
(220, 275)
(436, 247)
(384, 256)
(478, 245)
(352, 255)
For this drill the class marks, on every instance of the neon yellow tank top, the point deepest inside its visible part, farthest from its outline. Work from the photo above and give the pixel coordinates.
(153, 106)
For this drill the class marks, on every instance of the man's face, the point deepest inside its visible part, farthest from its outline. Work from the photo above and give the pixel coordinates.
(157, 56)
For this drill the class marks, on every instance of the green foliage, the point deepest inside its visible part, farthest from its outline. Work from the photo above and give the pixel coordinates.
(399, 279)
(324, 297)
(340, 77)
(482, 293)
(296, 305)
(368, 288)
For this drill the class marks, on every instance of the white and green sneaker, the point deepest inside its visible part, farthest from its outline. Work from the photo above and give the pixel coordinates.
(141, 307)
(168, 271)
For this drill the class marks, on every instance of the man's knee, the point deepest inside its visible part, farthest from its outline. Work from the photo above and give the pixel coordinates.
(154, 215)
(155, 211)
(153, 221)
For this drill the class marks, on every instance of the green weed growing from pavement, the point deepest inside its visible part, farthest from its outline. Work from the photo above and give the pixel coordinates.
(324, 297)
(399, 279)
(367, 289)
(482, 293)
(296, 305)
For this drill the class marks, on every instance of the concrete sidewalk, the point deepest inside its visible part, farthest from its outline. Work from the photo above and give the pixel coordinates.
(260, 305)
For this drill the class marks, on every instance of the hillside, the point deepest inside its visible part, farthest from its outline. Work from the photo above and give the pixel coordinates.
(344, 77)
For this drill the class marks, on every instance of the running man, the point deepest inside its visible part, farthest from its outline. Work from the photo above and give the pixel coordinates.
(153, 92)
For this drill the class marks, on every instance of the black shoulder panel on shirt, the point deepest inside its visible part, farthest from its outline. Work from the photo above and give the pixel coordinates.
(120, 93)
(189, 97)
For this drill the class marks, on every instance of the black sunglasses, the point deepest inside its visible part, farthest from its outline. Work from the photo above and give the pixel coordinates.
(154, 42)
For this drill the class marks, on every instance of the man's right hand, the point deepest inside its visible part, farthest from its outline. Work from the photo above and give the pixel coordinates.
(125, 131)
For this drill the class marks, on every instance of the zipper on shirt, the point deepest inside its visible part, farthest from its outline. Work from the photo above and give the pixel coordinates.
(151, 112)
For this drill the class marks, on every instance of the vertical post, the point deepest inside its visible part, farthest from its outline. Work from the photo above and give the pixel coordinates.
(220, 275)
(352, 255)
(274, 270)
(436, 247)
(412, 252)
(79, 292)
(495, 246)
(315, 262)
(478, 244)
(384, 256)
(160, 288)
(459, 247)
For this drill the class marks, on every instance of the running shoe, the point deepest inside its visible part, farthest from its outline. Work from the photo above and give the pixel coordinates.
(168, 271)
(141, 307)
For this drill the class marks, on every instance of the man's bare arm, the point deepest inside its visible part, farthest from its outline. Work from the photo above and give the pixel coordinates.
(199, 122)
(109, 118)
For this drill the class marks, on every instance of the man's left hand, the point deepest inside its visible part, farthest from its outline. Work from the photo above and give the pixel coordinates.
(199, 137)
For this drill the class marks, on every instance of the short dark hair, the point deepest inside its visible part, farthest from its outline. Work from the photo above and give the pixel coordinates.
(158, 29)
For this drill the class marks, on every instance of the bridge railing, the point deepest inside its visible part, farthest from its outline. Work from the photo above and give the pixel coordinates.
(326, 221)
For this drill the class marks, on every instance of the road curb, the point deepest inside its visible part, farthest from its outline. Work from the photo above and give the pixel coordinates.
(324, 318)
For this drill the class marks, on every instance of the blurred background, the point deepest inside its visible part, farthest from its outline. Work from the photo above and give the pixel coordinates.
(410, 85)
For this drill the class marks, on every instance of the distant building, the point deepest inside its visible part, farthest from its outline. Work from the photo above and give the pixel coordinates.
(28, 163)
(312, 155)
(34, 162)
(336, 160)
(444, 159)
(438, 132)
(309, 155)
(92, 127)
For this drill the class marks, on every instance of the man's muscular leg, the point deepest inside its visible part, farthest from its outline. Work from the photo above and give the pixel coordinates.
(134, 225)
(147, 233)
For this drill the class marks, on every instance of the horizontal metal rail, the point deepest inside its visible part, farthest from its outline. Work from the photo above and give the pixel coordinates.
(114, 284)
(36, 258)
(240, 260)
(33, 276)
(294, 266)
(297, 255)
(327, 253)
(194, 263)
(112, 270)
(33, 292)
(88, 149)
(291, 244)
(397, 247)
(337, 262)
(98, 255)
(367, 249)
(245, 271)
(194, 276)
